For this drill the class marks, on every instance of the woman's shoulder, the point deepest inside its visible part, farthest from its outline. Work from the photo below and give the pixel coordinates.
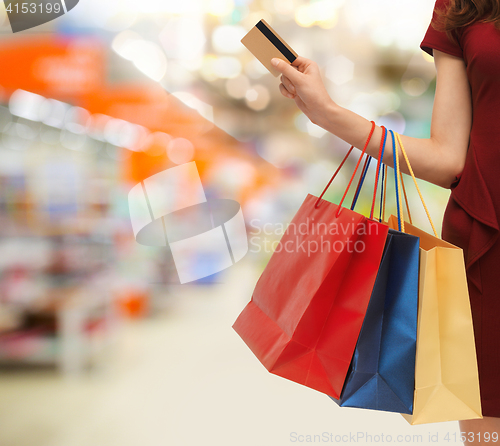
(435, 39)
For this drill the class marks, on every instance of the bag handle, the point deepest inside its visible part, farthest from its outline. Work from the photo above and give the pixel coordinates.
(406, 198)
(379, 165)
(365, 170)
(361, 181)
(401, 223)
(400, 143)
(400, 185)
(316, 205)
(383, 189)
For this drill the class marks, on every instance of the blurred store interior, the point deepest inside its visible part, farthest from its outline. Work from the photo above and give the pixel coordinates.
(99, 342)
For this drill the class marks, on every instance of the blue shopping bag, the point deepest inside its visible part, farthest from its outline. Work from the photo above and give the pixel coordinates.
(382, 371)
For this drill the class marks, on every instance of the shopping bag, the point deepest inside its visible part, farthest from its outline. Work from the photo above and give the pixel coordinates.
(446, 376)
(382, 372)
(308, 306)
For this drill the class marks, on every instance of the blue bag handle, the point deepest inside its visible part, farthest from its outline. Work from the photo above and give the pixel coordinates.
(361, 181)
(396, 162)
(382, 193)
(381, 166)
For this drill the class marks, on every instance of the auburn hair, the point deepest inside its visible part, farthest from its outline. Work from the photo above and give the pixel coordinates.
(460, 13)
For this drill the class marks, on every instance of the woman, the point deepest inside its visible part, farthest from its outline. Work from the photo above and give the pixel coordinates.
(462, 153)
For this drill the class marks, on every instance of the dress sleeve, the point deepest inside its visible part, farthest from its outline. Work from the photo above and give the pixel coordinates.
(438, 40)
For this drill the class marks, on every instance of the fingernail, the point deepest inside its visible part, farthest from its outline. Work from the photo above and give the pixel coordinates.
(275, 61)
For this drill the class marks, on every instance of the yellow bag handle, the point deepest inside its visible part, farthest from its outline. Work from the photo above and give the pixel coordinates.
(398, 179)
(400, 143)
(385, 192)
(406, 198)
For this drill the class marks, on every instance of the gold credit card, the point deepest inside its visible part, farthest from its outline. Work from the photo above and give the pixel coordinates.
(265, 44)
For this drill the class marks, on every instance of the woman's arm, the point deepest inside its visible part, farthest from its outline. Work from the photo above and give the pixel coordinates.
(438, 159)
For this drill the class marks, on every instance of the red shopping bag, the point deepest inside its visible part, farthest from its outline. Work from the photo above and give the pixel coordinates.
(309, 304)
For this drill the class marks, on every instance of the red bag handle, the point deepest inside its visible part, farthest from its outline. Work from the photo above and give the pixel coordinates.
(379, 161)
(316, 205)
(360, 181)
(363, 173)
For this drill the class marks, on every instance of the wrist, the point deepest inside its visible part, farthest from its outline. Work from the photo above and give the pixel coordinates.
(328, 115)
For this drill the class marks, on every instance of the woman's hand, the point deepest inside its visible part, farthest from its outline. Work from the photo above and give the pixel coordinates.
(438, 159)
(302, 82)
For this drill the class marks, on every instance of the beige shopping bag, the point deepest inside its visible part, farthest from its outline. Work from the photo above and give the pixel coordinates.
(446, 375)
(446, 378)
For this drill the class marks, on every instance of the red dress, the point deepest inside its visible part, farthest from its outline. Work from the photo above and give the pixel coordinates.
(471, 219)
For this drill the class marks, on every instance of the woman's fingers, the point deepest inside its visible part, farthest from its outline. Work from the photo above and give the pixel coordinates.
(300, 63)
(288, 84)
(291, 72)
(302, 82)
(285, 92)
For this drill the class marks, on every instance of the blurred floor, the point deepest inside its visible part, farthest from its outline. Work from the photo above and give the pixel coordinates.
(185, 378)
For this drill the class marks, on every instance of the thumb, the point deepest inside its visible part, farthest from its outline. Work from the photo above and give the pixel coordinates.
(286, 69)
